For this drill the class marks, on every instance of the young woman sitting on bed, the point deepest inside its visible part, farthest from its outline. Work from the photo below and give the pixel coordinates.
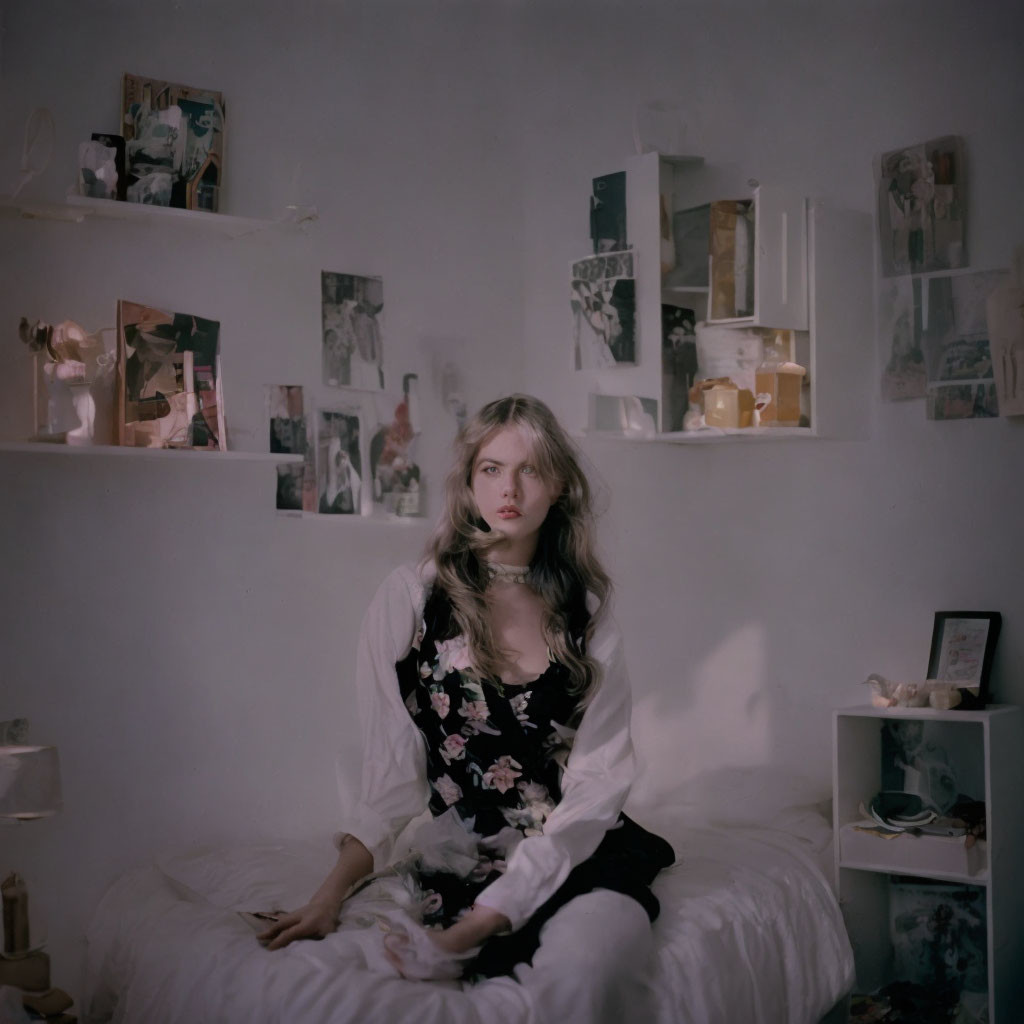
(493, 691)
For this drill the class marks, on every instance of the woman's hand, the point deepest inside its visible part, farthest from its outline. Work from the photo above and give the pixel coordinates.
(471, 930)
(426, 954)
(315, 920)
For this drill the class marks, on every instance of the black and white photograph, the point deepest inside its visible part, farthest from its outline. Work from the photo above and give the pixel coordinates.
(352, 308)
(678, 363)
(338, 460)
(608, 212)
(922, 201)
(603, 301)
(290, 435)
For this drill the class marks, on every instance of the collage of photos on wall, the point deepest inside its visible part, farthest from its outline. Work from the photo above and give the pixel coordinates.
(953, 335)
(355, 452)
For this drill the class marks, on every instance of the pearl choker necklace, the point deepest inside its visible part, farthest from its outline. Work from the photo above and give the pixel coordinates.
(508, 573)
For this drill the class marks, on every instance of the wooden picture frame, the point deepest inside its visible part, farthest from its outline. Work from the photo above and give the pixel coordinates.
(963, 645)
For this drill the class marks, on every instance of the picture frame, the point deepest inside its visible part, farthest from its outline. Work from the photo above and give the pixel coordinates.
(169, 383)
(963, 645)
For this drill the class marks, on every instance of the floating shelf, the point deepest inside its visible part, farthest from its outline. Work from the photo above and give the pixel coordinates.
(122, 451)
(707, 435)
(75, 209)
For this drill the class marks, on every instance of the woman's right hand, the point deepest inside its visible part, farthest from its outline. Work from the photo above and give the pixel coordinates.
(315, 920)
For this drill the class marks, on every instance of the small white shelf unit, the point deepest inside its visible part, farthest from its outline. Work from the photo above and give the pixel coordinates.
(989, 747)
(76, 209)
(53, 448)
(812, 275)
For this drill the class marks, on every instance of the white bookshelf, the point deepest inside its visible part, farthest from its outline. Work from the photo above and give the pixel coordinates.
(988, 751)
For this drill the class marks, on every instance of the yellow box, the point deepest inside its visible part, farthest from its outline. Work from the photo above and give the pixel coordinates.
(726, 405)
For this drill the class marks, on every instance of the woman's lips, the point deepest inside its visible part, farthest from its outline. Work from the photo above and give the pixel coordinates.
(508, 512)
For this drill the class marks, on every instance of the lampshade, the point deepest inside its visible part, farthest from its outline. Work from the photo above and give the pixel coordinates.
(29, 782)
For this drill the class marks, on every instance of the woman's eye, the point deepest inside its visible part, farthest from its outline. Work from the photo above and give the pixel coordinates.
(491, 470)
(529, 470)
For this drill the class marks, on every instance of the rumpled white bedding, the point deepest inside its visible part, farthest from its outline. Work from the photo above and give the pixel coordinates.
(749, 932)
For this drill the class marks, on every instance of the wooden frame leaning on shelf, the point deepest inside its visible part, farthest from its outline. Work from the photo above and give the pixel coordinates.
(169, 390)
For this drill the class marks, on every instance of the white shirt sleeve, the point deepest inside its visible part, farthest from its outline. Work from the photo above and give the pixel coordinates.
(394, 787)
(597, 779)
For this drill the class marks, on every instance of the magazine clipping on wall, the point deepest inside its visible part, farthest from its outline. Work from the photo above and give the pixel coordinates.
(169, 392)
(922, 201)
(174, 143)
(397, 483)
(339, 461)
(958, 358)
(290, 435)
(603, 302)
(352, 311)
(1005, 317)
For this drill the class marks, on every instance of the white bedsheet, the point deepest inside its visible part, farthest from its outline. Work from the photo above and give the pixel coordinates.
(749, 933)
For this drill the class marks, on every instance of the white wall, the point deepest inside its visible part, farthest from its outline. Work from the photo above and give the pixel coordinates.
(758, 586)
(189, 652)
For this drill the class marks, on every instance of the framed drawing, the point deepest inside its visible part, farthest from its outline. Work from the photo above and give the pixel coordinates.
(963, 644)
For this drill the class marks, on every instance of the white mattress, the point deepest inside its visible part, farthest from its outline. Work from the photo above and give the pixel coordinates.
(749, 933)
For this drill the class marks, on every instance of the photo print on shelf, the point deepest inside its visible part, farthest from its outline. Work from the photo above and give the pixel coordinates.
(339, 461)
(169, 391)
(174, 143)
(290, 435)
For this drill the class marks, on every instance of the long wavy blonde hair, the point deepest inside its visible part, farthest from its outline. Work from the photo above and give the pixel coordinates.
(565, 568)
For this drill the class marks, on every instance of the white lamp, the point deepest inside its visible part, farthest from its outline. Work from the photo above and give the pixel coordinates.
(29, 788)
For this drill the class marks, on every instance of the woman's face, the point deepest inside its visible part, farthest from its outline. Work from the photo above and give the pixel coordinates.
(511, 496)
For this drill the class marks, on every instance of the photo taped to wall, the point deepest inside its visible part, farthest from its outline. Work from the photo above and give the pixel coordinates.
(339, 461)
(351, 312)
(290, 435)
(958, 357)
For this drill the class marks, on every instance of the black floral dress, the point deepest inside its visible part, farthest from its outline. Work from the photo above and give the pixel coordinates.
(495, 756)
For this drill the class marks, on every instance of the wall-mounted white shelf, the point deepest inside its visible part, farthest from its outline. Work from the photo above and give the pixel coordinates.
(119, 451)
(76, 209)
(706, 435)
(809, 274)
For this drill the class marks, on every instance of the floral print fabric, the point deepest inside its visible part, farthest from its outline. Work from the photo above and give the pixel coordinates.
(494, 755)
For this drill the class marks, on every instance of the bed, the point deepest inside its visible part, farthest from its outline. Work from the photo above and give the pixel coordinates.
(749, 933)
